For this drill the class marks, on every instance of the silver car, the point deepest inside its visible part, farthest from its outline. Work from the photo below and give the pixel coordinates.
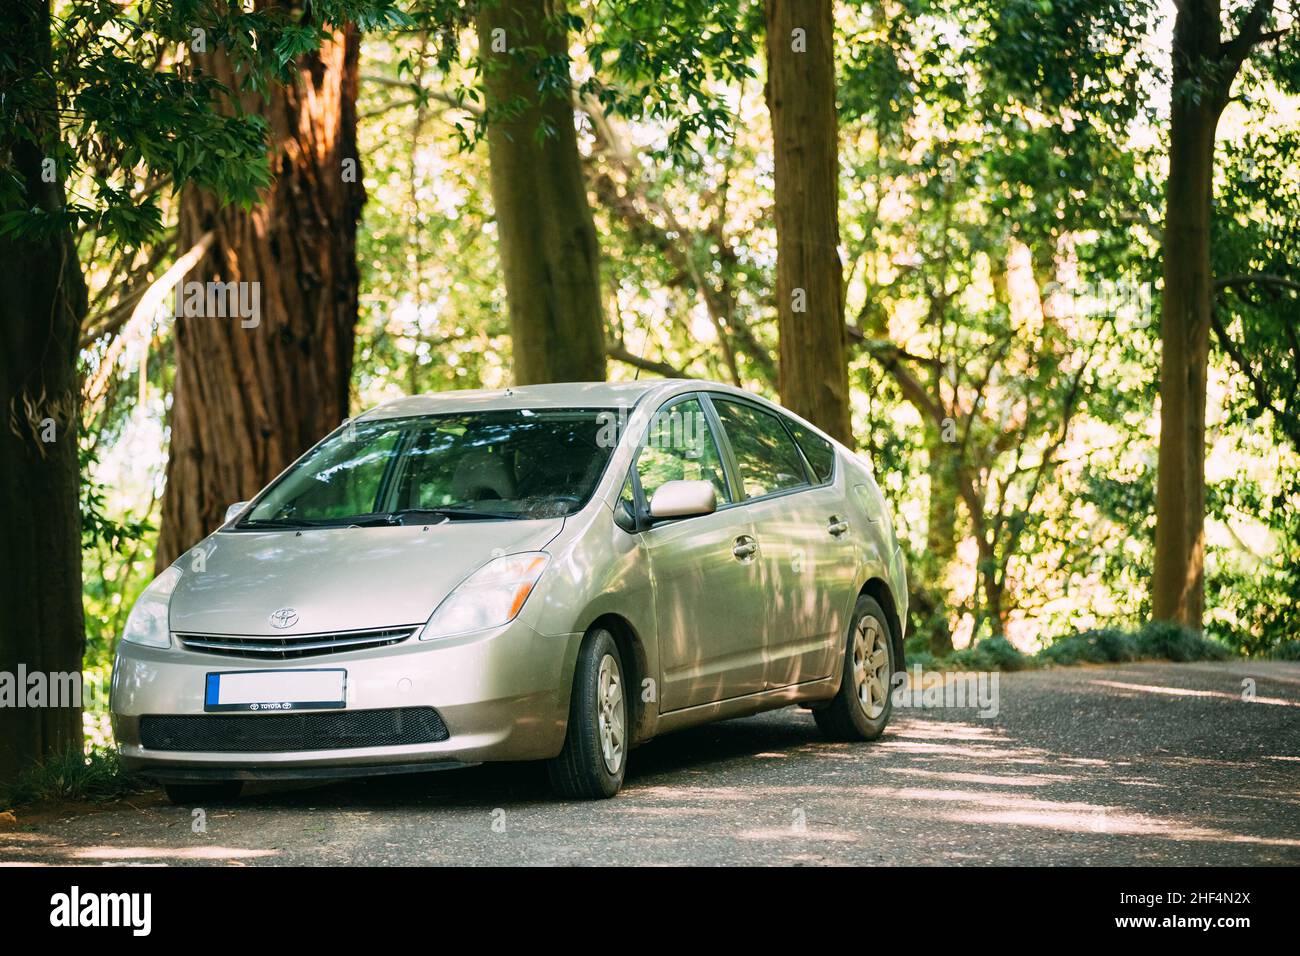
(553, 572)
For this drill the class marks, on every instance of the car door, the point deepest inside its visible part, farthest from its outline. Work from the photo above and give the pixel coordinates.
(832, 554)
(801, 554)
(704, 569)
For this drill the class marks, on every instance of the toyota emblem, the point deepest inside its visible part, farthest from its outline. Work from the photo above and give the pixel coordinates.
(285, 617)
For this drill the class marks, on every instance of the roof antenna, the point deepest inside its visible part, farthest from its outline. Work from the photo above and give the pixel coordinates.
(645, 343)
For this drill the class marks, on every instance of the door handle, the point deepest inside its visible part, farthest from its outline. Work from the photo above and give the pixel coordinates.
(745, 547)
(837, 526)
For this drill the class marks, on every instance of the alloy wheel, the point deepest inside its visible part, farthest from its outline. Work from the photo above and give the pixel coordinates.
(871, 666)
(610, 718)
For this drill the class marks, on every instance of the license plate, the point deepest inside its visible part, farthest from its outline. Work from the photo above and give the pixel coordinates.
(276, 691)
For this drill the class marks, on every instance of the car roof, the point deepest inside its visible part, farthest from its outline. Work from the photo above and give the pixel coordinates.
(561, 395)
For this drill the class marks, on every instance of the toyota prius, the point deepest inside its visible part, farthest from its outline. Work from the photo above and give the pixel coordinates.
(553, 572)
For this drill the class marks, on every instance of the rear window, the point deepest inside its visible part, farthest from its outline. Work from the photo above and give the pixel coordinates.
(818, 451)
(766, 457)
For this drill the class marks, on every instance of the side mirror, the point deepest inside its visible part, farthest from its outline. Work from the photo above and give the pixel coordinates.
(233, 511)
(683, 499)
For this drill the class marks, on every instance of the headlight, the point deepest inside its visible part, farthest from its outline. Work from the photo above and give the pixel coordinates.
(490, 597)
(147, 622)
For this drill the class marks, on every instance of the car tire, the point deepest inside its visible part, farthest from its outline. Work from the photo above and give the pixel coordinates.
(193, 794)
(857, 711)
(594, 758)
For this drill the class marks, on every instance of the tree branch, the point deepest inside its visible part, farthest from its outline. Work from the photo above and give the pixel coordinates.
(1289, 424)
(1235, 51)
(419, 92)
(141, 314)
(621, 354)
(1255, 278)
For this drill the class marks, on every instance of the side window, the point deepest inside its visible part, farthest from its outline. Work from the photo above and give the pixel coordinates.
(816, 449)
(680, 446)
(768, 460)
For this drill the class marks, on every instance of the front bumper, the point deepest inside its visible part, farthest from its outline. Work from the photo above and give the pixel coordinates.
(503, 695)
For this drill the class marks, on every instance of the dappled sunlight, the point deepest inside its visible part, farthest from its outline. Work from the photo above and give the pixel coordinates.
(671, 813)
(1015, 810)
(812, 832)
(944, 730)
(1097, 821)
(952, 750)
(993, 780)
(1189, 692)
(208, 854)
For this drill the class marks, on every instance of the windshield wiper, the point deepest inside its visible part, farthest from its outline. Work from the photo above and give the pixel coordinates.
(383, 519)
(286, 523)
(451, 514)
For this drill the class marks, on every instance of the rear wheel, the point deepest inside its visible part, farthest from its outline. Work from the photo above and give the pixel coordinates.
(591, 765)
(863, 706)
(190, 794)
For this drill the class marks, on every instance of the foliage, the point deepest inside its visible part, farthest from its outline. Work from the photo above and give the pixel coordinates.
(1000, 185)
(130, 113)
(1257, 263)
(992, 654)
(988, 239)
(73, 776)
(1165, 640)
(1155, 640)
(659, 60)
(1105, 646)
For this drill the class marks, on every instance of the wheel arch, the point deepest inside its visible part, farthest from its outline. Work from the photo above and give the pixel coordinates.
(878, 590)
(636, 667)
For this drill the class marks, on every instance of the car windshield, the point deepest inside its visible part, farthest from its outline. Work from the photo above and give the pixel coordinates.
(490, 465)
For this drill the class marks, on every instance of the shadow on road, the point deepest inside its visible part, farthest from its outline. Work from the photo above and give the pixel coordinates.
(1160, 764)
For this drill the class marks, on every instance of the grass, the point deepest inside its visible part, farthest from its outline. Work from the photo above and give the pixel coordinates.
(1157, 640)
(72, 777)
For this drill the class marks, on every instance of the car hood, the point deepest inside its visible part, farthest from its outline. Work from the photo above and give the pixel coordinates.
(337, 579)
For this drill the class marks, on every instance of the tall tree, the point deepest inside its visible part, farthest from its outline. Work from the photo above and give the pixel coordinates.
(41, 627)
(549, 252)
(252, 392)
(809, 277)
(1204, 70)
(90, 98)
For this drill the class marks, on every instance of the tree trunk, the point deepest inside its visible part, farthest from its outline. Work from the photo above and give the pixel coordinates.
(1178, 589)
(809, 279)
(993, 585)
(547, 239)
(941, 532)
(41, 624)
(253, 393)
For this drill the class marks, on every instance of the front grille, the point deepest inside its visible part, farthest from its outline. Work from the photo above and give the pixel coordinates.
(301, 645)
(271, 733)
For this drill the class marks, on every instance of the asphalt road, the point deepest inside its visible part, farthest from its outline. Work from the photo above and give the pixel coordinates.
(1139, 764)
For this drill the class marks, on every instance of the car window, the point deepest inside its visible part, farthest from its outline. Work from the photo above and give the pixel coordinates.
(680, 446)
(341, 478)
(765, 454)
(521, 463)
(816, 449)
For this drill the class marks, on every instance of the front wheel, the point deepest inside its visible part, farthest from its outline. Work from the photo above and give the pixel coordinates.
(590, 767)
(862, 707)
